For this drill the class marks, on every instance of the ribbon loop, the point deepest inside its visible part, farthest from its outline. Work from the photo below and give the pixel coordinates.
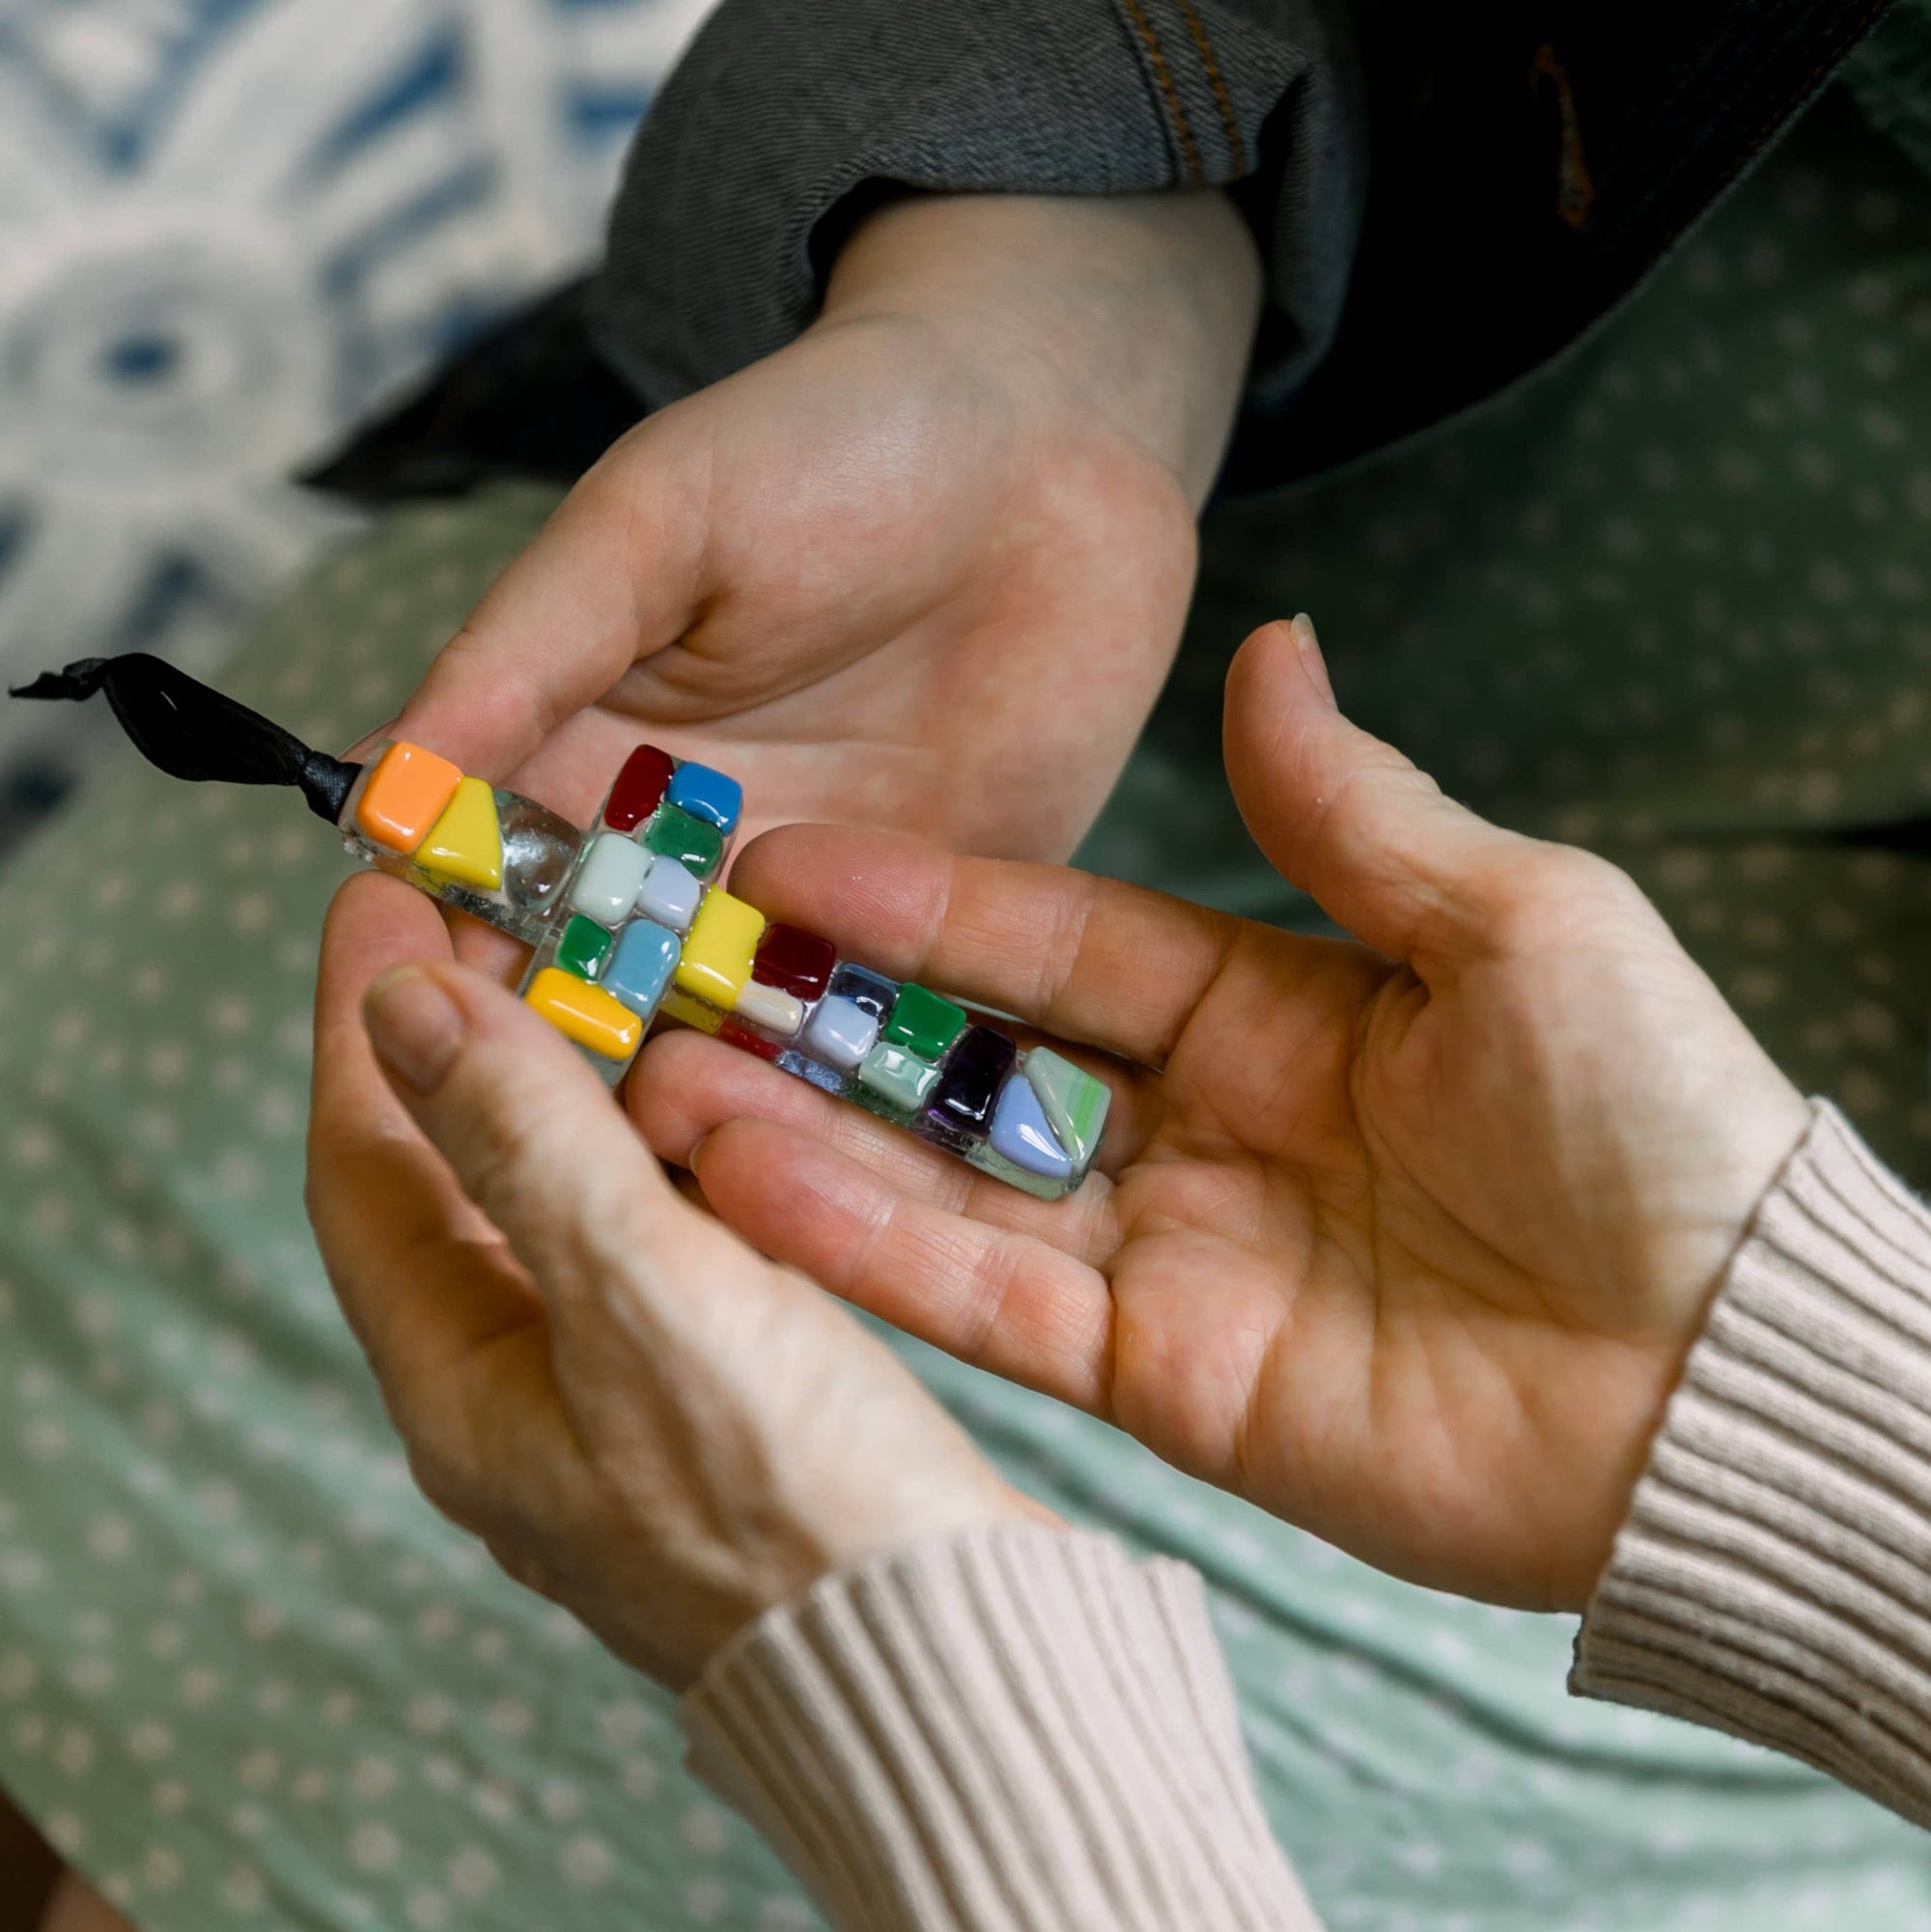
(193, 732)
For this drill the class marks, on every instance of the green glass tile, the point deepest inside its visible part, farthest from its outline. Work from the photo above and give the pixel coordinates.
(922, 1023)
(1075, 1104)
(900, 1079)
(676, 834)
(583, 948)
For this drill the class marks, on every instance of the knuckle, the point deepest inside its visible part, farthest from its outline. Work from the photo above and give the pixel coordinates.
(1379, 790)
(507, 1139)
(1576, 877)
(440, 1448)
(1554, 893)
(984, 1315)
(446, 1482)
(512, 1556)
(465, 640)
(1061, 957)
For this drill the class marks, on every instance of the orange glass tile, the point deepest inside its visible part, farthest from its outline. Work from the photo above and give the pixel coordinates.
(403, 795)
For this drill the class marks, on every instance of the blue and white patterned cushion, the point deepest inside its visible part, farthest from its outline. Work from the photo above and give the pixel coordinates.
(227, 229)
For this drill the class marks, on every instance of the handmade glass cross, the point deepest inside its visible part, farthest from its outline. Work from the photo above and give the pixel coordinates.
(628, 924)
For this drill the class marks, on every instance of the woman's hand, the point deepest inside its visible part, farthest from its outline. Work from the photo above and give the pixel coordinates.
(1406, 1245)
(925, 568)
(640, 1417)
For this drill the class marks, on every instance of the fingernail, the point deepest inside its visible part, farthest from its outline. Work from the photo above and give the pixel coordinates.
(359, 752)
(415, 1026)
(1311, 659)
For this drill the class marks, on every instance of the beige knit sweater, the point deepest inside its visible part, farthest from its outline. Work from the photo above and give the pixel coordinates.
(1023, 1730)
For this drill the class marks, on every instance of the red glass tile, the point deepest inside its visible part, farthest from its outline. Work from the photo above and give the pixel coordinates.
(799, 962)
(639, 786)
(735, 1033)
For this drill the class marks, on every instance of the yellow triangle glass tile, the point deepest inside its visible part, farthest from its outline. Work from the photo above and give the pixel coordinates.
(466, 845)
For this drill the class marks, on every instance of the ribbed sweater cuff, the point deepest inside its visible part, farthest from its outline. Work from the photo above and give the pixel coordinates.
(1016, 1728)
(1773, 1577)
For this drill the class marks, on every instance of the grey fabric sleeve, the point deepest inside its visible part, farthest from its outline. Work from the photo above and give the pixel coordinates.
(1773, 1576)
(785, 114)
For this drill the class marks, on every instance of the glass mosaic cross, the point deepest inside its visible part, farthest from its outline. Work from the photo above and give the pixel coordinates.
(628, 926)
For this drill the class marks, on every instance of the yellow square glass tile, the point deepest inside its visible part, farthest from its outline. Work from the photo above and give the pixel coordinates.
(689, 1012)
(717, 955)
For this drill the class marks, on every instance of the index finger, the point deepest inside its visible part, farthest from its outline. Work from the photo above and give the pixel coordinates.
(611, 577)
(1086, 958)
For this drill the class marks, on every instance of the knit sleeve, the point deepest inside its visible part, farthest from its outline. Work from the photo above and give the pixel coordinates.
(1773, 1576)
(1019, 1727)
(785, 115)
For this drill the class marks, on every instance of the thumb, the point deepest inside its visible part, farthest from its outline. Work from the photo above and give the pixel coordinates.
(532, 1136)
(1350, 821)
(611, 578)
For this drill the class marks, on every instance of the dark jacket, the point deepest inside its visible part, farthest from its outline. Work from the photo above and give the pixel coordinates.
(1445, 195)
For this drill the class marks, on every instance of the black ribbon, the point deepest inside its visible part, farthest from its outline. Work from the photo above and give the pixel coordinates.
(195, 732)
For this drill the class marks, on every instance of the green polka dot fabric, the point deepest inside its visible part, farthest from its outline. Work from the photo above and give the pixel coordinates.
(1673, 601)
(1667, 603)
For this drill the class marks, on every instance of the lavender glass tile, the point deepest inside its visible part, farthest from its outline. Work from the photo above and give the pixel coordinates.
(670, 894)
(840, 1032)
(1022, 1135)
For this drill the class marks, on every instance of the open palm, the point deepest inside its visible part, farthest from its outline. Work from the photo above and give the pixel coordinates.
(902, 572)
(1406, 1245)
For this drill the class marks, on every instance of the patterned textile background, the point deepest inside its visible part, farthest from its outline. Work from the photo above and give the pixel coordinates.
(227, 229)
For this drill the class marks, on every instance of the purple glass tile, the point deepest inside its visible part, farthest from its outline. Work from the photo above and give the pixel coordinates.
(960, 1108)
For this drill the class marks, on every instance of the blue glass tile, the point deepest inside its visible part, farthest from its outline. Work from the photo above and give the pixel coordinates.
(829, 1079)
(641, 967)
(707, 794)
(863, 987)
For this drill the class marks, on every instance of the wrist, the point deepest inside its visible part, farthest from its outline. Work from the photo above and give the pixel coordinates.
(1716, 1245)
(1136, 312)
